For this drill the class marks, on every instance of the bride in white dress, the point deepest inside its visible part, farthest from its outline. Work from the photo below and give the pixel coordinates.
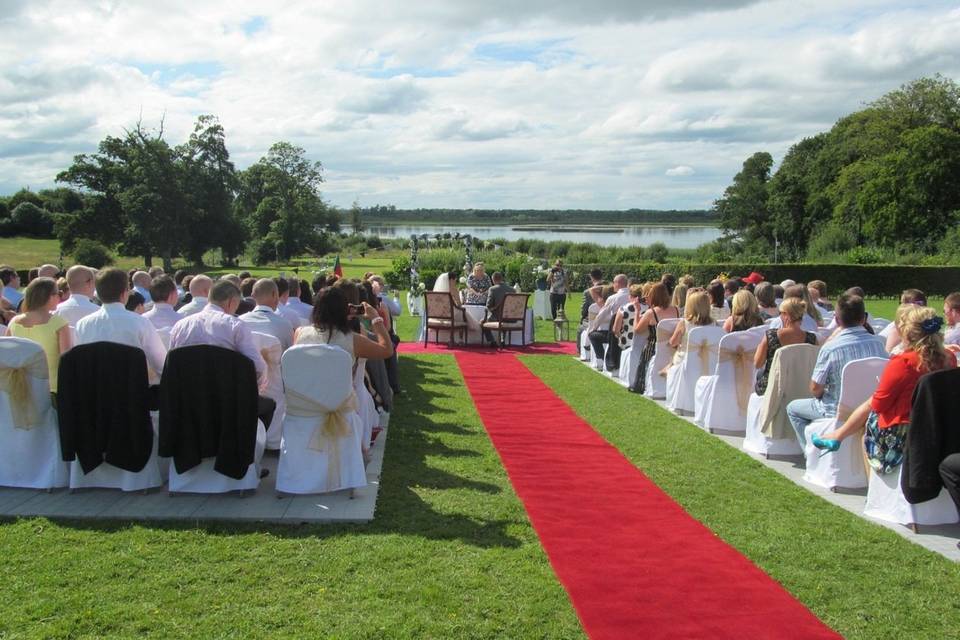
(443, 285)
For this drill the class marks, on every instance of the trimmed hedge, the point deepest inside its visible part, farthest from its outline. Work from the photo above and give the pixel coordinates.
(876, 280)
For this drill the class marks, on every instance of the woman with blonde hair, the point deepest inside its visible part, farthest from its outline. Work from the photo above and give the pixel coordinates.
(40, 324)
(696, 314)
(886, 415)
(745, 314)
(680, 296)
(792, 311)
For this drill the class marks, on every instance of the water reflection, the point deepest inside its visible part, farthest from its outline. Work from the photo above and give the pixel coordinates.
(673, 237)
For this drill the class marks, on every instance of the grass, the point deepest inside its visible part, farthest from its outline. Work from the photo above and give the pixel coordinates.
(861, 579)
(451, 554)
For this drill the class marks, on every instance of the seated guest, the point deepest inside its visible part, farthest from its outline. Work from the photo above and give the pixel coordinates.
(696, 314)
(113, 323)
(79, 305)
(264, 317)
(811, 319)
(852, 342)
(834, 326)
(178, 277)
(33, 274)
(155, 272)
(63, 289)
(497, 293)
(669, 281)
(718, 304)
(951, 311)
(246, 287)
(383, 292)
(232, 278)
(766, 301)
(199, 290)
(286, 311)
(40, 324)
(294, 302)
(11, 286)
(216, 325)
(689, 281)
(635, 307)
(659, 308)
(792, 312)
(730, 288)
(306, 293)
(745, 313)
(778, 293)
(184, 289)
(679, 298)
(604, 345)
(48, 271)
(330, 323)
(596, 278)
(134, 303)
(886, 415)
(890, 333)
(818, 293)
(141, 284)
(243, 275)
(163, 293)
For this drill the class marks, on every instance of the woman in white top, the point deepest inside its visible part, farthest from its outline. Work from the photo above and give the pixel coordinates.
(330, 324)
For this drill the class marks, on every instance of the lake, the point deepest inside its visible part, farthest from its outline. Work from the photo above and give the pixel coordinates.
(675, 237)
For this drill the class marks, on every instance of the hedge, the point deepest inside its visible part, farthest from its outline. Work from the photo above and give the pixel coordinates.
(876, 280)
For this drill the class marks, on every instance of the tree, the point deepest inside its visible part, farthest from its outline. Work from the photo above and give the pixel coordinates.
(356, 218)
(24, 195)
(30, 220)
(743, 209)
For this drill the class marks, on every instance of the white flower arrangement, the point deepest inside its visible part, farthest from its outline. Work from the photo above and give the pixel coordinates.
(540, 271)
(421, 287)
(463, 280)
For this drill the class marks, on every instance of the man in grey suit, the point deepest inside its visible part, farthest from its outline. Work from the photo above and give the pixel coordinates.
(495, 296)
(264, 317)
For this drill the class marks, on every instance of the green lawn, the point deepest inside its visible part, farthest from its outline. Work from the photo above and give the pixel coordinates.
(451, 554)
(862, 579)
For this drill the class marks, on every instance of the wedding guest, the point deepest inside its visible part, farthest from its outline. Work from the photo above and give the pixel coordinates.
(264, 317)
(134, 303)
(497, 293)
(141, 284)
(659, 308)
(39, 324)
(605, 346)
(306, 293)
(718, 304)
(11, 286)
(246, 287)
(163, 293)
(79, 305)
(886, 415)
(330, 324)
(113, 323)
(679, 298)
(890, 333)
(155, 272)
(696, 313)
(818, 293)
(852, 342)
(48, 271)
(178, 276)
(766, 300)
(478, 284)
(951, 311)
(596, 278)
(745, 313)
(810, 320)
(558, 288)
(792, 312)
(63, 289)
(283, 309)
(296, 303)
(200, 286)
(669, 281)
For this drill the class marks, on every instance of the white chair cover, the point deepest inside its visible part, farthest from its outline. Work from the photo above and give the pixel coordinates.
(845, 467)
(656, 385)
(366, 407)
(271, 350)
(30, 454)
(107, 476)
(769, 412)
(700, 359)
(721, 399)
(630, 359)
(585, 346)
(885, 502)
(203, 478)
(322, 374)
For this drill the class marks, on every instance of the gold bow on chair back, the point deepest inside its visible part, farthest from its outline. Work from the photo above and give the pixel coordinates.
(743, 369)
(703, 352)
(327, 435)
(16, 382)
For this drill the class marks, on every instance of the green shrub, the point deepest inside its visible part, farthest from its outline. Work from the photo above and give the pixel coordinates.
(92, 254)
(30, 220)
(865, 255)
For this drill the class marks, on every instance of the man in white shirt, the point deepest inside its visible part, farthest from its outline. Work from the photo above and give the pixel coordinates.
(380, 288)
(601, 338)
(289, 313)
(11, 286)
(113, 323)
(163, 292)
(216, 325)
(48, 271)
(141, 284)
(264, 317)
(79, 305)
(199, 290)
(303, 309)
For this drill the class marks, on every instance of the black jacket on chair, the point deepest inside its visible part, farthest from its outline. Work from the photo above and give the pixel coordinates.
(208, 407)
(934, 434)
(103, 403)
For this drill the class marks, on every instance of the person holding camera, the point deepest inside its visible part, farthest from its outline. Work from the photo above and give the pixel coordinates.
(330, 324)
(558, 288)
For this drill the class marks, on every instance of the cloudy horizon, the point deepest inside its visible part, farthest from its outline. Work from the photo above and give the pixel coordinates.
(611, 105)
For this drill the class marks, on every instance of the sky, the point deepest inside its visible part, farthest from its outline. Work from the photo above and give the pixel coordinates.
(608, 104)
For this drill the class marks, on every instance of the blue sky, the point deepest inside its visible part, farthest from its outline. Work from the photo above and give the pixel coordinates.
(611, 104)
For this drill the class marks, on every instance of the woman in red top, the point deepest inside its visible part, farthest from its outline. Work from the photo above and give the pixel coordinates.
(886, 415)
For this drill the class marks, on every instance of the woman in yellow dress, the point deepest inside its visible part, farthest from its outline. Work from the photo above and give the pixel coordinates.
(40, 324)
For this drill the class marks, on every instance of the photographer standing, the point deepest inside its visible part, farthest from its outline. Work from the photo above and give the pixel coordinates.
(558, 288)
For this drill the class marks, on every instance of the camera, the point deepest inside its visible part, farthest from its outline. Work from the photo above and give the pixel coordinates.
(355, 309)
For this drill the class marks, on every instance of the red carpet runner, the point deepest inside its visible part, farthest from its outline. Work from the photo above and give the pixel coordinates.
(634, 563)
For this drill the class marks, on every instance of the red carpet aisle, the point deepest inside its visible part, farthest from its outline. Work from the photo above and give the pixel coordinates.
(635, 564)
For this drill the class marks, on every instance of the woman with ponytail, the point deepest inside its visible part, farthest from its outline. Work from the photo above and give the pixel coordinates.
(886, 415)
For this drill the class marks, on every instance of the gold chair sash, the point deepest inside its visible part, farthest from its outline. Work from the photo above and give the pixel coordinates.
(327, 435)
(742, 374)
(703, 352)
(14, 380)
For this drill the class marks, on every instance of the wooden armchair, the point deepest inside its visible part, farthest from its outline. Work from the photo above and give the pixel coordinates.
(440, 314)
(511, 316)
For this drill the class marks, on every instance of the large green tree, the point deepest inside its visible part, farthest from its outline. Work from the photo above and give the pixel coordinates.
(743, 209)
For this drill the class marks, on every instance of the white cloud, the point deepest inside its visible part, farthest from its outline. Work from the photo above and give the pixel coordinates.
(456, 103)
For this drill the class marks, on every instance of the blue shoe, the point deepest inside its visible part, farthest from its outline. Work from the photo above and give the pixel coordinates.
(829, 446)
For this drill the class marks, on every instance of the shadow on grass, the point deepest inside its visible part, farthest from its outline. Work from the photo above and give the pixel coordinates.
(416, 435)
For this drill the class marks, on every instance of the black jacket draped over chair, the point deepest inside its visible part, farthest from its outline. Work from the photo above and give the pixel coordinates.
(934, 434)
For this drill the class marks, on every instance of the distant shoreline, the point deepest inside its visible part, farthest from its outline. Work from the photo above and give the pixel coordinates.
(603, 227)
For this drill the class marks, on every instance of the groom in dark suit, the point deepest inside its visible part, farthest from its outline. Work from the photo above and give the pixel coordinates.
(495, 298)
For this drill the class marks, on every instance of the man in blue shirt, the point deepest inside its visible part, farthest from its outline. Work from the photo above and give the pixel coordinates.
(852, 342)
(11, 285)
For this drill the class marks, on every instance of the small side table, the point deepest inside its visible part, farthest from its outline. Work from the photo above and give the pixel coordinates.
(561, 329)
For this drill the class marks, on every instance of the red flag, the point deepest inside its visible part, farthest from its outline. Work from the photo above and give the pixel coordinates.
(337, 269)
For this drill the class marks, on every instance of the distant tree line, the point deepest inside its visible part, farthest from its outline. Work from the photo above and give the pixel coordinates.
(390, 213)
(883, 182)
(141, 196)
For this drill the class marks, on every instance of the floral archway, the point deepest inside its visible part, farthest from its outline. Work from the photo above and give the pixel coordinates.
(417, 287)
